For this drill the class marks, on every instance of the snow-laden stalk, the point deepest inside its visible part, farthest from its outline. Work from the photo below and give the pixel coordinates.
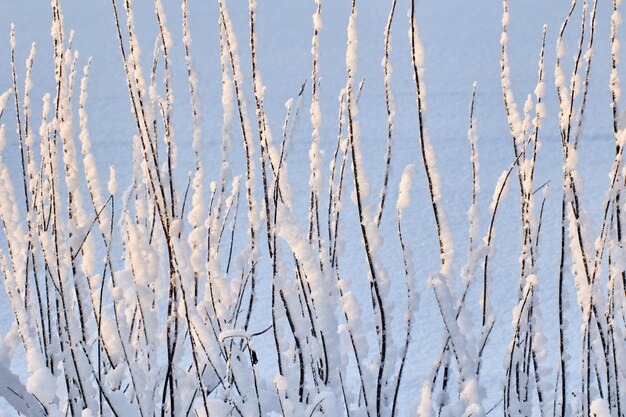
(315, 179)
(390, 107)
(369, 232)
(444, 238)
(586, 260)
(411, 295)
(524, 354)
(432, 176)
(244, 122)
(263, 128)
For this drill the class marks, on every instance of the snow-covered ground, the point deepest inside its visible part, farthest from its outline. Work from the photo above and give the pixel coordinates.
(462, 44)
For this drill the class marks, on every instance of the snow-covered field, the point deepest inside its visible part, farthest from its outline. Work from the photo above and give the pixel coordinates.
(462, 45)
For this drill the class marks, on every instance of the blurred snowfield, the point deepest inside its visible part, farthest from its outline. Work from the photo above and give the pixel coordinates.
(462, 45)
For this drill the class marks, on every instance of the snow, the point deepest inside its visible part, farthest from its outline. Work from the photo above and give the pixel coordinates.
(452, 51)
(599, 408)
(112, 184)
(4, 98)
(406, 182)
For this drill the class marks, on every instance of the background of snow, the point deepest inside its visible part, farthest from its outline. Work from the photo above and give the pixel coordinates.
(462, 44)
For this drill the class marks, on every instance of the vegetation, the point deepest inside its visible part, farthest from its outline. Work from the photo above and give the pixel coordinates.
(149, 301)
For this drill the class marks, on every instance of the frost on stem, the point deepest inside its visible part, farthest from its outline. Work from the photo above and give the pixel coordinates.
(132, 304)
(444, 235)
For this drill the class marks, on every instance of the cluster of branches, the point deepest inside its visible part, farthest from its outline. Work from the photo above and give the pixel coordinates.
(148, 302)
